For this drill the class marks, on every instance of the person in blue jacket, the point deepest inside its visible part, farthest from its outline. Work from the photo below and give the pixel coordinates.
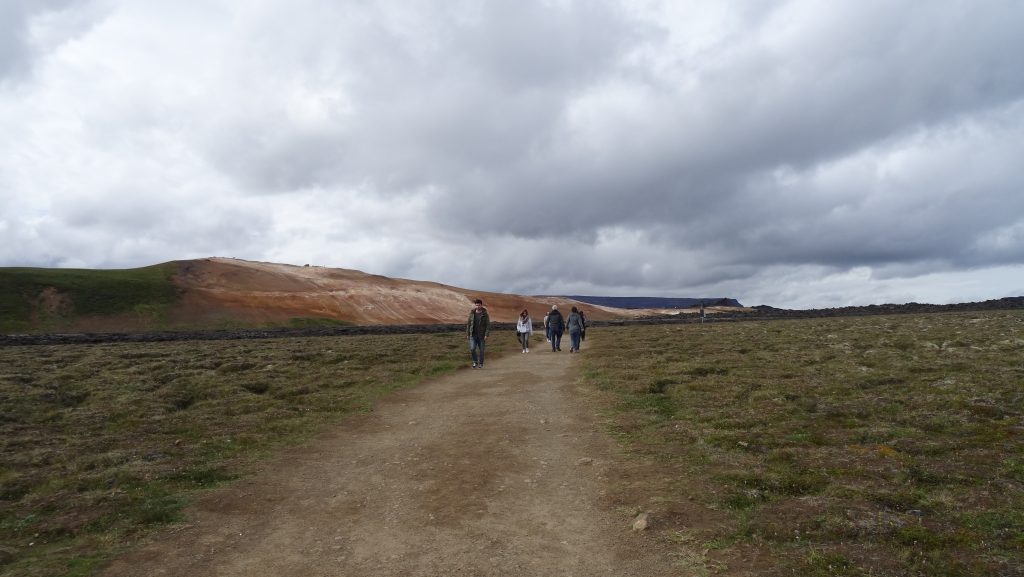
(575, 326)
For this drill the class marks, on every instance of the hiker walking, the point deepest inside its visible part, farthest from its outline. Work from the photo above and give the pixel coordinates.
(524, 328)
(477, 328)
(583, 333)
(555, 326)
(575, 326)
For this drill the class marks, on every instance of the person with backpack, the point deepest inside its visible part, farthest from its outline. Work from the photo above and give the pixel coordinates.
(575, 326)
(555, 326)
(477, 328)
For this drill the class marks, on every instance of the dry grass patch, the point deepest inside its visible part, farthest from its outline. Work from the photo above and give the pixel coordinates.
(887, 445)
(101, 443)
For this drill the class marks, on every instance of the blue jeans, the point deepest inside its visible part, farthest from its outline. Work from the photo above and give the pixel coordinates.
(575, 336)
(524, 339)
(556, 340)
(474, 344)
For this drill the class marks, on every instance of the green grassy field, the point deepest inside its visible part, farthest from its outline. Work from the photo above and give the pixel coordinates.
(889, 445)
(101, 443)
(146, 293)
(857, 446)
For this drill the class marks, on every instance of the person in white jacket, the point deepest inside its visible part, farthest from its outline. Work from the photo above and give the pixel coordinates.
(524, 328)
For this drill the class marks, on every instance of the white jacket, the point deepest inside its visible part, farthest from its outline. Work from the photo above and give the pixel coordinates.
(524, 325)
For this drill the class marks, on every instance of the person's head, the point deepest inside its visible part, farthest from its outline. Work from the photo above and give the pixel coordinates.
(524, 314)
(479, 304)
(574, 310)
(554, 307)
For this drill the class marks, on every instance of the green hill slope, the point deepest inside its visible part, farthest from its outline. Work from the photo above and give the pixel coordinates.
(46, 299)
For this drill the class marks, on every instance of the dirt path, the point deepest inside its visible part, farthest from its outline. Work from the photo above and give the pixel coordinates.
(499, 471)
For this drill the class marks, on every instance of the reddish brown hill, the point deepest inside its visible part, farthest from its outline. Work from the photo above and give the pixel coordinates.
(219, 290)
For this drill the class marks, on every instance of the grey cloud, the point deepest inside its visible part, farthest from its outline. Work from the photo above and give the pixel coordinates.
(563, 144)
(16, 55)
(184, 232)
(533, 46)
(760, 110)
(12, 33)
(466, 98)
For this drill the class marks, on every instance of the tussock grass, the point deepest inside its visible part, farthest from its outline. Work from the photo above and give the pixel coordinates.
(886, 445)
(102, 443)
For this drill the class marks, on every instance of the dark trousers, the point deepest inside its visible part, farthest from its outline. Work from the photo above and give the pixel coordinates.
(556, 340)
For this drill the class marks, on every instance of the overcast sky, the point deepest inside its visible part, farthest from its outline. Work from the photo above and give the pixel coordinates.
(794, 153)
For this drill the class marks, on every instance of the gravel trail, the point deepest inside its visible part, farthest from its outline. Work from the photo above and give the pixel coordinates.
(500, 471)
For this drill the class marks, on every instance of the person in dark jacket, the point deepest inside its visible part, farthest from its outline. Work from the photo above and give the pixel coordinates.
(477, 328)
(555, 327)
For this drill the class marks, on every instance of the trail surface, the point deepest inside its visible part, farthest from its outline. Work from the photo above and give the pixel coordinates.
(500, 471)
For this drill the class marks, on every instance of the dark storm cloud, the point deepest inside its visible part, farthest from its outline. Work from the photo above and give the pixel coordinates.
(869, 80)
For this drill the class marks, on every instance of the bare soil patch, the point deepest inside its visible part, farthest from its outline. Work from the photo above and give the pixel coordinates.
(250, 293)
